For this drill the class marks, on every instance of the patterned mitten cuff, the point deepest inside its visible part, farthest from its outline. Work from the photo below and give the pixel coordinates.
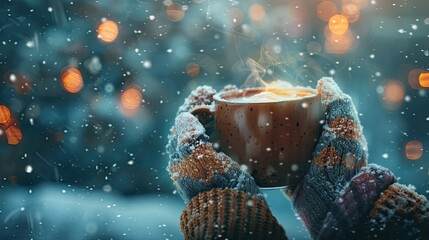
(224, 201)
(229, 214)
(398, 213)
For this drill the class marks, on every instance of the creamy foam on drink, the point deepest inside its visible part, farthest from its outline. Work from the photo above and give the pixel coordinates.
(276, 91)
(265, 97)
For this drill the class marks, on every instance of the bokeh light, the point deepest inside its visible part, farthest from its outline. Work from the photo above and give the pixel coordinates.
(338, 24)
(414, 78)
(351, 11)
(108, 31)
(131, 98)
(11, 122)
(193, 69)
(394, 92)
(175, 12)
(297, 11)
(94, 87)
(424, 79)
(4, 114)
(338, 43)
(326, 9)
(359, 3)
(414, 150)
(257, 12)
(14, 135)
(72, 80)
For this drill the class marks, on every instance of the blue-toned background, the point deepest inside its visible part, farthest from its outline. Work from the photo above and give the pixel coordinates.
(88, 169)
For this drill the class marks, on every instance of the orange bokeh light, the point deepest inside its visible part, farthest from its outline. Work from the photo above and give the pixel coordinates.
(4, 114)
(193, 69)
(297, 11)
(394, 92)
(351, 11)
(131, 98)
(359, 3)
(72, 80)
(108, 31)
(175, 12)
(326, 9)
(14, 135)
(338, 44)
(257, 12)
(338, 24)
(414, 78)
(414, 150)
(424, 79)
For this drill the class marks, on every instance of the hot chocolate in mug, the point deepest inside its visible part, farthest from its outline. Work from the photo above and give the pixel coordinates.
(271, 133)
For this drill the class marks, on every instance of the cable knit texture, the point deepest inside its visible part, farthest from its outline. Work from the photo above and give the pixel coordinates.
(339, 198)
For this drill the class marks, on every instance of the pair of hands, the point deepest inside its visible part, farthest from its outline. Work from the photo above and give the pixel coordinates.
(341, 152)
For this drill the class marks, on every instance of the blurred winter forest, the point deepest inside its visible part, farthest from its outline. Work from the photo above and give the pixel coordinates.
(93, 88)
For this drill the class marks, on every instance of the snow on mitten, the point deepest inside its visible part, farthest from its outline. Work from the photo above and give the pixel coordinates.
(196, 167)
(339, 155)
(223, 201)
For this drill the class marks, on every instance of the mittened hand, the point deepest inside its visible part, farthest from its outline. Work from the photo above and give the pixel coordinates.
(339, 154)
(342, 148)
(194, 166)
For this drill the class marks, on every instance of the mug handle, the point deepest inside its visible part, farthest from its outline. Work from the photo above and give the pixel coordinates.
(204, 114)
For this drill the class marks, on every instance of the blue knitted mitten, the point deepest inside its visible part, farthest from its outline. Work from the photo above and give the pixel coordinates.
(223, 201)
(333, 183)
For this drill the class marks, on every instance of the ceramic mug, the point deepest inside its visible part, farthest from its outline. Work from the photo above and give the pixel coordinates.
(273, 141)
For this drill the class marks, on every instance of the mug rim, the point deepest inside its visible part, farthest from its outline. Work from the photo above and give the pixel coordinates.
(218, 96)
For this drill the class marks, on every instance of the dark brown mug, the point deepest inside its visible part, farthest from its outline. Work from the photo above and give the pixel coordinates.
(273, 141)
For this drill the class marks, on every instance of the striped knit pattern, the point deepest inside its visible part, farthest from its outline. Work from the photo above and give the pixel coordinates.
(200, 165)
(399, 213)
(352, 206)
(224, 201)
(229, 214)
(339, 198)
(338, 156)
(205, 169)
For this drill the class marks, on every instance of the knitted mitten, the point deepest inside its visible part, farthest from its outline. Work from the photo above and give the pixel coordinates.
(340, 193)
(338, 156)
(339, 198)
(223, 201)
(398, 213)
